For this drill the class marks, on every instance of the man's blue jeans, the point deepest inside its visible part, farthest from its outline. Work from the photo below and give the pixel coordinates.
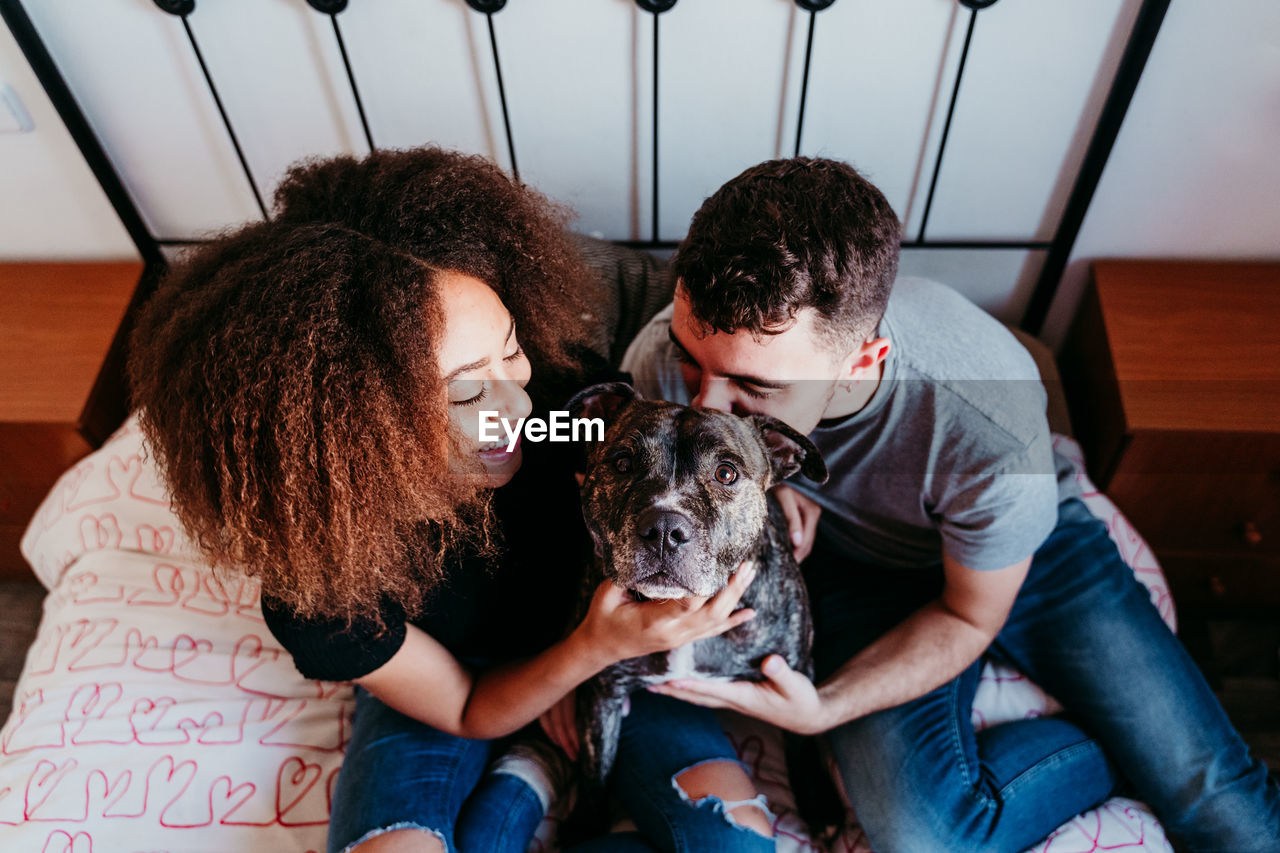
(1084, 629)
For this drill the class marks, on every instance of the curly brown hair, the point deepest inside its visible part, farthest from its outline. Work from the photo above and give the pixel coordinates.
(286, 377)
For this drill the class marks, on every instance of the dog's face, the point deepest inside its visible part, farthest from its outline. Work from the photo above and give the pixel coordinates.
(674, 496)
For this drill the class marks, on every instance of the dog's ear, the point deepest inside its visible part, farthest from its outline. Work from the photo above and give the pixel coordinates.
(789, 451)
(604, 401)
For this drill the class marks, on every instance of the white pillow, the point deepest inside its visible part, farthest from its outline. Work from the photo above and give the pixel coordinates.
(156, 712)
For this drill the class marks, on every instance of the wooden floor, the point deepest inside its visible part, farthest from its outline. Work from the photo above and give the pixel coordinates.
(1246, 655)
(19, 616)
(1247, 658)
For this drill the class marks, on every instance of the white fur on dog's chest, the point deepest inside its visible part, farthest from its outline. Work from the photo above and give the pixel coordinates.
(680, 664)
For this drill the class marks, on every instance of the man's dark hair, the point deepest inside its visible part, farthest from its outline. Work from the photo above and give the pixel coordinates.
(787, 235)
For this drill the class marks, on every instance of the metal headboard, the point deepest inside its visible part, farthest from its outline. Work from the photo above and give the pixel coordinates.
(107, 403)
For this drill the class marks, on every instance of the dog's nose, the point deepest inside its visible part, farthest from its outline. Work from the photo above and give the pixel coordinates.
(663, 528)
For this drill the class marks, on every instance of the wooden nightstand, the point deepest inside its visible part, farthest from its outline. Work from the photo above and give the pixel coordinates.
(57, 321)
(1172, 373)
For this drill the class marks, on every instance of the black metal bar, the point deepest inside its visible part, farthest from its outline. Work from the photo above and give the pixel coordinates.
(1012, 245)
(655, 127)
(1024, 245)
(55, 86)
(107, 404)
(804, 80)
(1027, 245)
(946, 127)
(226, 121)
(647, 244)
(351, 78)
(502, 97)
(1138, 48)
(655, 8)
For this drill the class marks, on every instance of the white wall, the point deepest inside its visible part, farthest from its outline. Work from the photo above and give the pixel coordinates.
(1191, 174)
(1195, 172)
(50, 204)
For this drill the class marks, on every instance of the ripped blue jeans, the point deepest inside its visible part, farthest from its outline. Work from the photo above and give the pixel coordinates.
(401, 774)
(661, 738)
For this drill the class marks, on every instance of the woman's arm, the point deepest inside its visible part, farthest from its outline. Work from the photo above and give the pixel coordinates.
(424, 681)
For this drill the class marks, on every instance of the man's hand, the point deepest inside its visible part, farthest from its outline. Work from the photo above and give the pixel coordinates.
(786, 698)
(802, 519)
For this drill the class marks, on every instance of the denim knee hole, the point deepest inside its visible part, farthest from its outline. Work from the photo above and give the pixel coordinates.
(739, 814)
(396, 827)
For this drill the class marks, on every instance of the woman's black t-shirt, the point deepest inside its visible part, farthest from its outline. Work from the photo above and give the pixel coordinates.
(485, 610)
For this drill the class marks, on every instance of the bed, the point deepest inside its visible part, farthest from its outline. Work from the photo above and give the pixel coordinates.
(156, 712)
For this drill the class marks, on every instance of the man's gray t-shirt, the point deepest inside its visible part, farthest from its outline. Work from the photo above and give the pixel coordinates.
(952, 451)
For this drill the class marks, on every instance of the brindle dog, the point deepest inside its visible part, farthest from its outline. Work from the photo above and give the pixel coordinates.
(676, 498)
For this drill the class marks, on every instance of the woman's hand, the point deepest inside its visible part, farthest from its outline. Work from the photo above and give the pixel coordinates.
(617, 627)
(802, 519)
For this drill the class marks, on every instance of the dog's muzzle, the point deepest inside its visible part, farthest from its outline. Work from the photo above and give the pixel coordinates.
(666, 555)
(663, 531)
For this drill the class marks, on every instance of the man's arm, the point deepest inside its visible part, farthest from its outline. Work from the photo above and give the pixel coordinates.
(928, 649)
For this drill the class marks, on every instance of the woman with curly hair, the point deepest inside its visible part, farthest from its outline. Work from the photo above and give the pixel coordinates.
(310, 389)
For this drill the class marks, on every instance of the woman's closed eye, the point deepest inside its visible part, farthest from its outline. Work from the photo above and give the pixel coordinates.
(474, 399)
(482, 392)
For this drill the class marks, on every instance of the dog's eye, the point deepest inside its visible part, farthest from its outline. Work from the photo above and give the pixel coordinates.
(622, 463)
(726, 473)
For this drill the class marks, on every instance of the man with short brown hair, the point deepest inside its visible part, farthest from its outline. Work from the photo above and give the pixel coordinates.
(946, 533)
